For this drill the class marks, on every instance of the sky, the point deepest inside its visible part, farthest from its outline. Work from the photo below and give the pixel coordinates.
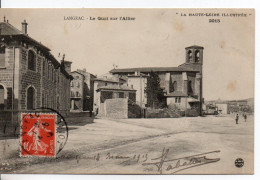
(156, 38)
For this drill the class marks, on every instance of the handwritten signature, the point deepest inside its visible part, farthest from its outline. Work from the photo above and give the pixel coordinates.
(163, 164)
(172, 166)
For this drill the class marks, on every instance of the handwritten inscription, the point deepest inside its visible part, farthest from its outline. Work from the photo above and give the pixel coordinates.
(171, 166)
(163, 164)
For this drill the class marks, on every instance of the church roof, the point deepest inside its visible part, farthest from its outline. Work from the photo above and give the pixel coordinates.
(177, 94)
(154, 69)
(195, 47)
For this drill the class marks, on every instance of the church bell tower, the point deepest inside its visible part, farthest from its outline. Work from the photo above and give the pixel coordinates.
(194, 59)
(194, 54)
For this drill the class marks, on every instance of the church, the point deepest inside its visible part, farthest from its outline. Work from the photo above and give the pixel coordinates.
(182, 85)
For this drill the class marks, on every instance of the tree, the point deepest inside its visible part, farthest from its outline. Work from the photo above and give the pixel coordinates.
(153, 90)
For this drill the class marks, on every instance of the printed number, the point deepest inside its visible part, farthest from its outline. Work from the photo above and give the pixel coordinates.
(27, 146)
(214, 20)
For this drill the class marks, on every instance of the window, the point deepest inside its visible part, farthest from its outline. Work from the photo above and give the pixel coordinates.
(54, 75)
(43, 68)
(77, 93)
(72, 84)
(58, 76)
(58, 103)
(190, 55)
(121, 94)
(51, 70)
(31, 60)
(2, 100)
(43, 100)
(2, 55)
(78, 85)
(173, 86)
(30, 98)
(177, 100)
(197, 56)
(190, 90)
(48, 67)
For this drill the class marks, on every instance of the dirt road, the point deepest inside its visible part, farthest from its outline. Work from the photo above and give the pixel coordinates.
(152, 146)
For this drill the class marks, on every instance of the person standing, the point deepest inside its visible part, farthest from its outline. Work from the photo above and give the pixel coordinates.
(245, 117)
(237, 117)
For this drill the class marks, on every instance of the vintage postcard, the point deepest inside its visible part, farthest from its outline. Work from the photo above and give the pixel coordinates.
(127, 91)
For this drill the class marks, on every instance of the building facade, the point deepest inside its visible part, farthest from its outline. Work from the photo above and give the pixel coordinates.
(182, 85)
(88, 89)
(101, 81)
(77, 93)
(138, 81)
(115, 91)
(30, 76)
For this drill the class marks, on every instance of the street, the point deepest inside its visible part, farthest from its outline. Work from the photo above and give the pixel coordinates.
(145, 146)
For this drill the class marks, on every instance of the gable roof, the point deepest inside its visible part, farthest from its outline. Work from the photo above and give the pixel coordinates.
(9, 30)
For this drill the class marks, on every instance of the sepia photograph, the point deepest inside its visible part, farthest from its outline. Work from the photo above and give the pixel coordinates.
(127, 91)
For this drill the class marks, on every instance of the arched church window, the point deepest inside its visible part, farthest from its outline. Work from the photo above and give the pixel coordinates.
(197, 56)
(31, 60)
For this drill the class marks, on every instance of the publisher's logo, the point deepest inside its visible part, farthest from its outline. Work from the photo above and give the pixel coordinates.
(239, 162)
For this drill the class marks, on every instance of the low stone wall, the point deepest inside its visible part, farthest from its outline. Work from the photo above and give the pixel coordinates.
(116, 108)
(163, 113)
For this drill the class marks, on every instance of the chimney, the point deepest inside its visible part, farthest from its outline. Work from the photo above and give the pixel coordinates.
(24, 27)
(66, 64)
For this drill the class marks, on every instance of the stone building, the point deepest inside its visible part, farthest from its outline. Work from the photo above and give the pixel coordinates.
(88, 89)
(82, 91)
(107, 100)
(30, 76)
(77, 94)
(182, 85)
(138, 82)
(101, 81)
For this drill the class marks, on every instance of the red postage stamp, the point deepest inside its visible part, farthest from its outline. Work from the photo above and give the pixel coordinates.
(38, 134)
